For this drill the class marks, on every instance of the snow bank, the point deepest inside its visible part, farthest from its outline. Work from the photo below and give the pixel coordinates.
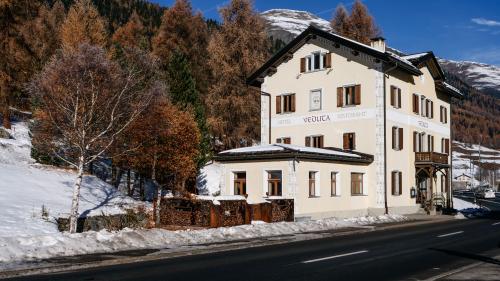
(26, 188)
(16, 249)
(467, 209)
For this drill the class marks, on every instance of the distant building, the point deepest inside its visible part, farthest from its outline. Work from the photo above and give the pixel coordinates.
(347, 129)
(463, 178)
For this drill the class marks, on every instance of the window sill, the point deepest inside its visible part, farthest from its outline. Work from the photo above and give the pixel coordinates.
(335, 196)
(314, 196)
(359, 195)
(316, 70)
(349, 105)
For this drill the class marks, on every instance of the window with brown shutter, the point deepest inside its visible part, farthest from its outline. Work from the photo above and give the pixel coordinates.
(415, 137)
(356, 183)
(340, 93)
(400, 135)
(432, 110)
(349, 141)
(441, 113)
(415, 103)
(396, 183)
(399, 98)
(357, 95)
(393, 96)
(315, 141)
(400, 183)
(394, 137)
(287, 140)
(447, 146)
(445, 115)
(278, 140)
(278, 104)
(308, 141)
(292, 103)
(328, 62)
(303, 65)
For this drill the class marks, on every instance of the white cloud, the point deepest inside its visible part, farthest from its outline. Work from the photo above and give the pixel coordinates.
(487, 22)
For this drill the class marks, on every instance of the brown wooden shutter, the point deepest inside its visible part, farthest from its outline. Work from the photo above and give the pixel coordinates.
(328, 63)
(340, 92)
(394, 137)
(278, 140)
(302, 65)
(392, 95)
(287, 140)
(308, 141)
(399, 98)
(278, 104)
(400, 138)
(447, 146)
(393, 183)
(415, 103)
(400, 174)
(414, 141)
(321, 139)
(441, 114)
(353, 141)
(432, 109)
(445, 115)
(293, 103)
(346, 141)
(357, 94)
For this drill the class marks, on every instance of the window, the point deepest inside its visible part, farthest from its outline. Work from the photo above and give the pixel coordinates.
(349, 140)
(430, 143)
(395, 97)
(423, 106)
(443, 183)
(415, 103)
(349, 95)
(356, 183)
(315, 100)
(285, 140)
(240, 184)
(315, 141)
(445, 146)
(312, 184)
(285, 103)
(396, 183)
(315, 61)
(333, 184)
(397, 138)
(419, 144)
(443, 114)
(274, 183)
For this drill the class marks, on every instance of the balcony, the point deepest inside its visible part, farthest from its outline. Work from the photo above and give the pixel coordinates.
(431, 158)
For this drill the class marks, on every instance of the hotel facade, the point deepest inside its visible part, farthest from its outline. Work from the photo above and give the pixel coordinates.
(347, 129)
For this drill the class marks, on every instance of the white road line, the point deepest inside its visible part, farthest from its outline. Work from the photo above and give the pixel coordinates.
(497, 223)
(337, 256)
(449, 234)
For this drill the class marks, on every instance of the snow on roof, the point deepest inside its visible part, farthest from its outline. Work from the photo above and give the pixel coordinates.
(414, 56)
(450, 87)
(283, 147)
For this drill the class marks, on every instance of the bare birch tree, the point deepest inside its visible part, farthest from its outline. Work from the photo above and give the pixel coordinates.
(89, 100)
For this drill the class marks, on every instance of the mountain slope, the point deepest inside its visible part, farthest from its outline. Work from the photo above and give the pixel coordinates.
(285, 24)
(481, 76)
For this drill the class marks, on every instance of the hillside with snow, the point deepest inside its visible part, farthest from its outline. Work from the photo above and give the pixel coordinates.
(481, 76)
(33, 195)
(285, 24)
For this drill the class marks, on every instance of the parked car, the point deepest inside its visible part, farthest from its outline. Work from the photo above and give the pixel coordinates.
(486, 193)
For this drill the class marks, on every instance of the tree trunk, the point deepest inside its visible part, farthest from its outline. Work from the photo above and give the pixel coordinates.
(158, 194)
(73, 219)
(129, 190)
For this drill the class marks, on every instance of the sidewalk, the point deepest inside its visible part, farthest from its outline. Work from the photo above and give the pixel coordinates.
(481, 271)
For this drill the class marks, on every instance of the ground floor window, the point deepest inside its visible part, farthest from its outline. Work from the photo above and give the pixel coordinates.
(356, 183)
(333, 184)
(240, 183)
(396, 183)
(312, 184)
(274, 183)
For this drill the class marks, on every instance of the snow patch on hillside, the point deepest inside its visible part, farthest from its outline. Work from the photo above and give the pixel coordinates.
(293, 21)
(26, 188)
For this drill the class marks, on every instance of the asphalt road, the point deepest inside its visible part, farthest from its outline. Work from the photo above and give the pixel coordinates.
(406, 253)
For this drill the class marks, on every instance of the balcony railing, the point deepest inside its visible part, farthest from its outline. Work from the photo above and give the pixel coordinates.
(431, 157)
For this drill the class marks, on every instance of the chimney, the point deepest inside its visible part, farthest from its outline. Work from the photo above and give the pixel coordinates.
(378, 43)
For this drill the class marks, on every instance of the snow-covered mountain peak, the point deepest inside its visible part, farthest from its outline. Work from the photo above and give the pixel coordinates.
(285, 24)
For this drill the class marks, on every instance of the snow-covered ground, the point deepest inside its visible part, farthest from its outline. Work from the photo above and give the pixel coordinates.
(16, 249)
(467, 209)
(26, 188)
(463, 165)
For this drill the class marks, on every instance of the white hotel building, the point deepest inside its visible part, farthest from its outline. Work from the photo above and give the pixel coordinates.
(347, 129)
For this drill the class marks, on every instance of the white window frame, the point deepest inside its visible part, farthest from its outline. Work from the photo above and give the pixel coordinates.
(320, 90)
(337, 184)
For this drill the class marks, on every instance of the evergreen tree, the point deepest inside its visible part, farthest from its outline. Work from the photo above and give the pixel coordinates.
(83, 24)
(183, 93)
(187, 33)
(340, 22)
(362, 25)
(235, 51)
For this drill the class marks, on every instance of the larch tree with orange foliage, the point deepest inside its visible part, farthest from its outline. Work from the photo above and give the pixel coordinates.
(132, 34)
(235, 51)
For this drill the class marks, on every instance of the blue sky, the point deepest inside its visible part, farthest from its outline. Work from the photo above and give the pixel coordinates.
(453, 29)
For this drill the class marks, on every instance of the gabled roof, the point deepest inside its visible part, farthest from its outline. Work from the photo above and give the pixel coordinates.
(312, 32)
(428, 58)
(288, 151)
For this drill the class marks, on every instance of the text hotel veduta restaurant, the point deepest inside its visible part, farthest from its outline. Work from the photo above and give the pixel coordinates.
(347, 129)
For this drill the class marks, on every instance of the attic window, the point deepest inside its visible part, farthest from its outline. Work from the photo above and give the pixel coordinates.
(316, 61)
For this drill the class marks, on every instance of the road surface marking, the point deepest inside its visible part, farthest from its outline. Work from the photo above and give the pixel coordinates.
(497, 223)
(449, 234)
(337, 256)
